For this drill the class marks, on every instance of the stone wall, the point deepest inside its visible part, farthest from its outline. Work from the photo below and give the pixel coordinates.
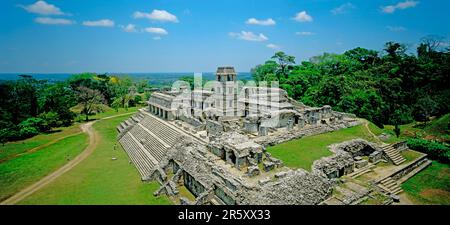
(275, 139)
(408, 168)
(296, 187)
(214, 128)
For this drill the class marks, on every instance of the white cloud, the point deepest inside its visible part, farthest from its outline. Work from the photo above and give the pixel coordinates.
(249, 36)
(304, 33)
(158, 15)
(396, 28)
(344, 8)
(267, 22)
(99, 23)
(273, 46)
(303, 17)
(401, 5)
(130, 28)
(42, 8)
(53, 21)
(156, 30)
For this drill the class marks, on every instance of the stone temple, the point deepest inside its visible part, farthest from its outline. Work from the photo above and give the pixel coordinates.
(211, 141)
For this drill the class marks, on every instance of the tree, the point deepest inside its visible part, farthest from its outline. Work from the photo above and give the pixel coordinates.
(122, 101)
(424, 108)
(284, 61)
(397, 130)
(394, 49)
(265, 72)
(59, 98)
(366, 57)
(88, 99)
(432, 43)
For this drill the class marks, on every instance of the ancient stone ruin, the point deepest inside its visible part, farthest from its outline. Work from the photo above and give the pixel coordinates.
(212, 141)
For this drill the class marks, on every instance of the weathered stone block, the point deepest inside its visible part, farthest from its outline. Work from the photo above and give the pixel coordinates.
(264, 181)
(361, 163)
(268, 166)
(280, 174)
(253, 171)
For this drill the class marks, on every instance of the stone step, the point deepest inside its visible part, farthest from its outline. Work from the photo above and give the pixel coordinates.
(388, 182)
(362, 171)
(401, 161)
(390, 185)
(397, 157)
(393, 154)
(398, 191)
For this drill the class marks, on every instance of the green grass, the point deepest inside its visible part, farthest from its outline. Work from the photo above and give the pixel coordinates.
(99, 179)
(430, 186)
(22, 171)
(10, 149)
(112, 112)
(439, 127)
(405, 131)
(410, 155)
(301, 153)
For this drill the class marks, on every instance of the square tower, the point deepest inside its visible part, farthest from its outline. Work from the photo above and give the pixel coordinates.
(226, 73)
(226, 92)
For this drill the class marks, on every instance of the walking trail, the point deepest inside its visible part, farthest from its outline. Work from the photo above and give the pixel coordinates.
(93, 141)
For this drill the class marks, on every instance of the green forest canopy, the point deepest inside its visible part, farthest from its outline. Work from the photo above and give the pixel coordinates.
(388, 87)
(29, 106)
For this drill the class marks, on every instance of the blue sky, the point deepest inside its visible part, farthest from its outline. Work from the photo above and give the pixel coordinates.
(71, 36)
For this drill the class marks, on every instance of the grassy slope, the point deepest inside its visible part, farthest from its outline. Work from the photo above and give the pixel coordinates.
(12, 148)
(431, 186)
(437, 127)
(18, 173)
(301, 153)
(98, 179)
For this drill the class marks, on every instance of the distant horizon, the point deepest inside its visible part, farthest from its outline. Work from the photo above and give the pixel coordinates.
(155, 76)
(63, 73)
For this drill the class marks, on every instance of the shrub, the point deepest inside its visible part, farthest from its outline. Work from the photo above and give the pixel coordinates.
(435, 150)
(50, 119)
(37, 123)
(27, 132)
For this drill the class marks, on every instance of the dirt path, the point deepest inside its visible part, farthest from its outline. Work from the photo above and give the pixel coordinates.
(93, 141)
(366, 125)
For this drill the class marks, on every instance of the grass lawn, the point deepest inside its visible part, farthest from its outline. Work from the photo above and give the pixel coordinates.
(10, 149)
(99, 179)
(430, 186)
(111, 112)
(389, 129)
(24, 170)
(410, 155)
(301, 153)
(437, 127)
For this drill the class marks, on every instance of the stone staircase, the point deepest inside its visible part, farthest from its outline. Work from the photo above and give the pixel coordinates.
(393, 154)
(146, 139)
(140, 158)
(390, 185)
